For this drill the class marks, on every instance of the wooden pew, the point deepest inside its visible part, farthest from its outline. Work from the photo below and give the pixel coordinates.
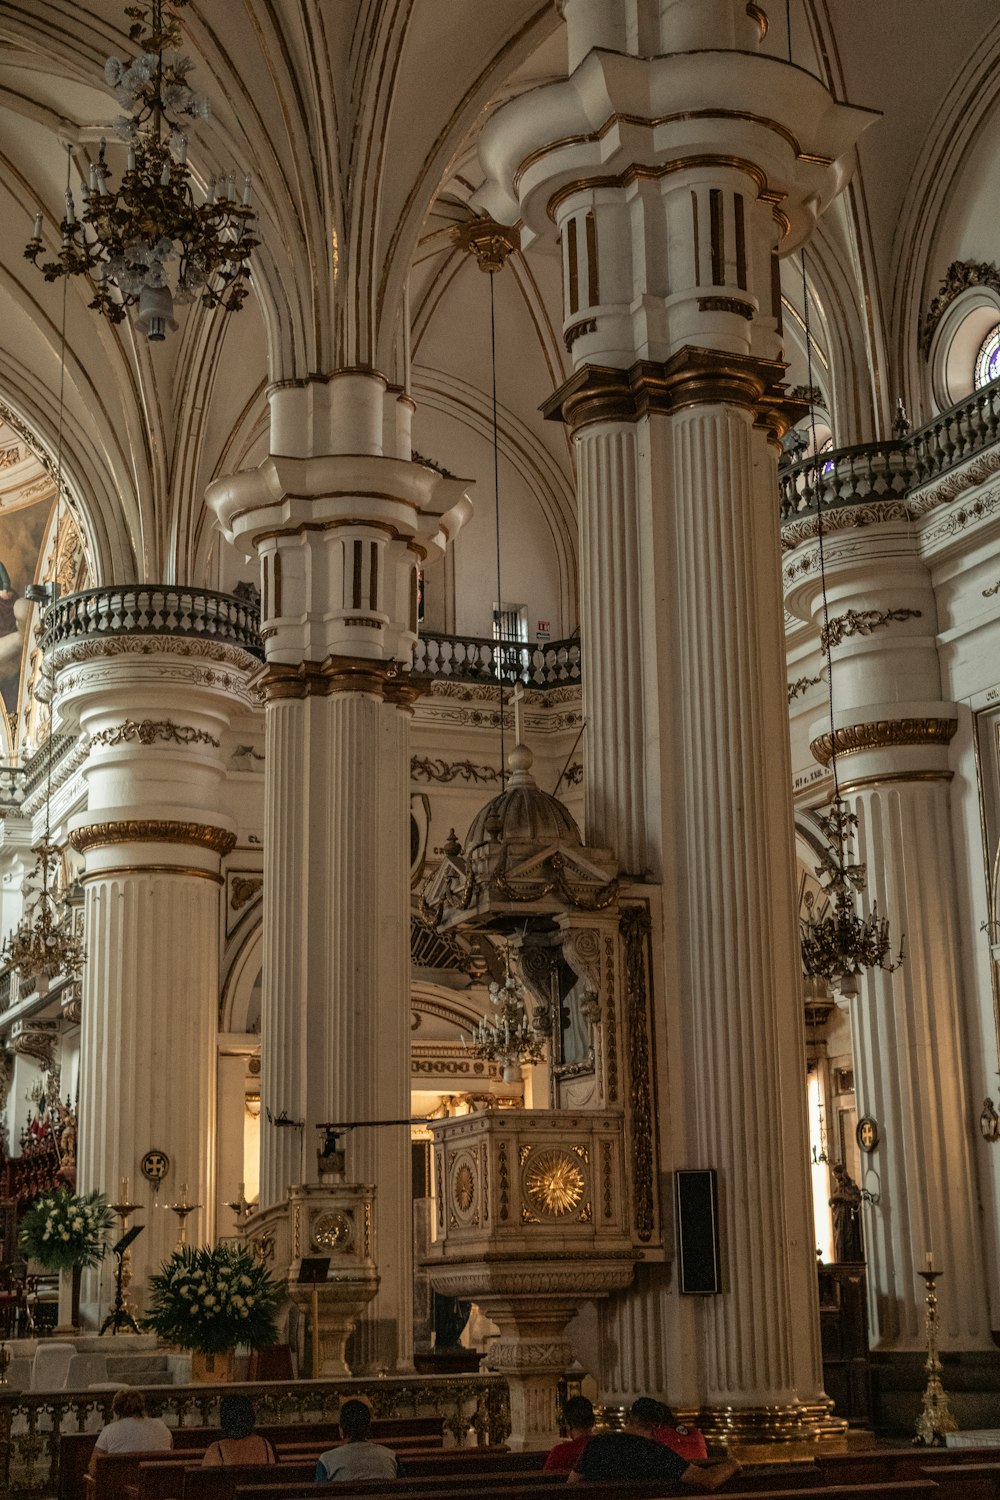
(872, 1464)
(540, 1487)
(965, 1481)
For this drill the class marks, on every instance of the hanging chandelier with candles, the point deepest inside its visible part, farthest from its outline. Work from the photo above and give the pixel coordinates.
(838, 943)
(151, 243)
(45, 941)
(510, 1036)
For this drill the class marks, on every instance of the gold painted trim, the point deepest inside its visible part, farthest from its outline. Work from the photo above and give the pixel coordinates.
(691, 377)
(760, 16)
(304, 526)
(883, 734)
(282, 681)
(889, 778)
(150, 830)
(185, 870)
(637, 170)
(655, 121)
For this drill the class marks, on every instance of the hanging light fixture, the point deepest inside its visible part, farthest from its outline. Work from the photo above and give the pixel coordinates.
(151, 243)
(509, 1036)
(838, 942)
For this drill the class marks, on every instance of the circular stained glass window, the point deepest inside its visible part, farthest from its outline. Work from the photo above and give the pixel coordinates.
(988, 359)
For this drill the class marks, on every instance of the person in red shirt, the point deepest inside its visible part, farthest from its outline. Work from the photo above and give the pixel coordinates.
(689, 1442)
(578, 1416)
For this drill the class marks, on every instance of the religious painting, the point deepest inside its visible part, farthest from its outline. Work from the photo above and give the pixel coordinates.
(22, 532)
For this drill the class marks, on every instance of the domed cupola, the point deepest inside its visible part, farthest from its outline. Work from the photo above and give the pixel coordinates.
(523, 855)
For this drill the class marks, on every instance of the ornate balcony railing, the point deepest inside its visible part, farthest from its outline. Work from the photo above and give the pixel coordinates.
(872, 472)
(158, 610)
(475, 1408)
(476, 659)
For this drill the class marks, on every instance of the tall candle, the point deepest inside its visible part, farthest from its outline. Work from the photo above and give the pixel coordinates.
(930, 1260)
(124, 1189)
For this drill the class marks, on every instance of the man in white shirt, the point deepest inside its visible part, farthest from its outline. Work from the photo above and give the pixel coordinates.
(131, 1431)
(356, 1457)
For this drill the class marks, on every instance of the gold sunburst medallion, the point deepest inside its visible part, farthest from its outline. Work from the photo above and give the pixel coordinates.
(554, 1183)
(463, 1186)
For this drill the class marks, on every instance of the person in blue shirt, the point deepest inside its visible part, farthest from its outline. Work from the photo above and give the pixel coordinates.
(356, 1457)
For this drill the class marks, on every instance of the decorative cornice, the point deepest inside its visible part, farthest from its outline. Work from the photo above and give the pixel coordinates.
(861, 622)
(147, 731)
(883, 734)
(691, 377)
(842, 518)
(150, 830)
(867, 783)
(960, 275)
(91, 649)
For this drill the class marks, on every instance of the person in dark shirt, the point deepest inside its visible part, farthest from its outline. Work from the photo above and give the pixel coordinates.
(634, 1455)
(578, 1416)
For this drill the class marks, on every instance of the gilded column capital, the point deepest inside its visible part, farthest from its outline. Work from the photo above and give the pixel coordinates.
(691, 377)
(882, 734)
(208, 836)
(342, 674)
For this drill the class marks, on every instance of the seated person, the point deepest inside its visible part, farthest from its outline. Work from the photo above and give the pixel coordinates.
(633, 1455)
(239, 1444)
(131, 1431)
(578, 1416)
(689, 1442)
(356, 1458)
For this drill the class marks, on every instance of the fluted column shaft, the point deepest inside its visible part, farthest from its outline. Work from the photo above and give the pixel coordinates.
(610, 630)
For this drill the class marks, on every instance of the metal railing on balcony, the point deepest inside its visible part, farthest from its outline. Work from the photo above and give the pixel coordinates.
(478, 659)
(874, 472)
(158, 610)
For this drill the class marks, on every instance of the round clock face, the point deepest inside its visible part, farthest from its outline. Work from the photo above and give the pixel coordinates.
(868, 1133)
(155, 1165)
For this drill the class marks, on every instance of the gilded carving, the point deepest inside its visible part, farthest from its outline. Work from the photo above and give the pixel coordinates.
(147, 731)
(960, 275)
(862, 622)
(635, 924)
(463, 1187)
(9, 457)
(504, 1180)
(883, 734)
(149, 830)
(332, 1231)
(554, 1183)
(611, 1022)
(607, 1195)
(243, 890)
(37, 1040)
(425, 768)
(844, 517)
(801, 684)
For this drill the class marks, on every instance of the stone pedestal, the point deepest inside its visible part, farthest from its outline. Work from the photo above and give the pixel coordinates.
(531, 1221)
(341, 521)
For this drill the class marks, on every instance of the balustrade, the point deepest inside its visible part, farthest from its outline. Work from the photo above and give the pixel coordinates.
(478, 659)
(31, 1422)
(155, 611)
(872, 472)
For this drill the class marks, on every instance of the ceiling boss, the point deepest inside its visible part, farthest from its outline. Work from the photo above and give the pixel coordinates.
(150, 243)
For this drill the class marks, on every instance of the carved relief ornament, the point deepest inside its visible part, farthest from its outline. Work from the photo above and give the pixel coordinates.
(862, 622)
(147, 731)
(147, 830)
(883, 734)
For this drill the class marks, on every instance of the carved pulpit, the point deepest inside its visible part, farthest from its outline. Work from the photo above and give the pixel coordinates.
(531, 1221)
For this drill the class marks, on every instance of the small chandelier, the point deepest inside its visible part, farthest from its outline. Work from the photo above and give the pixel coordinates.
(129, 238)
(44, 941)
(509, 1036)
(839, 944)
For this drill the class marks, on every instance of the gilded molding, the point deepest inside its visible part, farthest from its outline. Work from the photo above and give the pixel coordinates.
(760, 16)
(491, 243)
(150, 830)
(244, 889)
(862, 622)
(147, 731)
(892, 778)
(691, 377)
(342, 674)
(883, 734)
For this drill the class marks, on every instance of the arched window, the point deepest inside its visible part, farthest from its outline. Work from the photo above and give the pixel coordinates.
(988, 359)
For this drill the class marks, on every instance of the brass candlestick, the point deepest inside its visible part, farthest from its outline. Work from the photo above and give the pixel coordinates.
(935, 1417)
(240, 1205)
(5, 1358)
(182, 1209)
(124, 1210)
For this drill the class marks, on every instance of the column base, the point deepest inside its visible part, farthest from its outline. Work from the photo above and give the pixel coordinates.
(762, 1434)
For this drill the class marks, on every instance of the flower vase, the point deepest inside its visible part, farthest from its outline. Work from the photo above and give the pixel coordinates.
(213, 1369)
(69, 1302)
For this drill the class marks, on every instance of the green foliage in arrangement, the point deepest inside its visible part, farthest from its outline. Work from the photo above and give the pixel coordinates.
(210, 1300)
(61, 1230)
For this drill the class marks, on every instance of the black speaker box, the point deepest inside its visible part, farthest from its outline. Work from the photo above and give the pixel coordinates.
(697, 1204)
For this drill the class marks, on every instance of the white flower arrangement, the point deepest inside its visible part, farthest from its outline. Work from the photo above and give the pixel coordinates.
(61, 1230)
(211, 1300)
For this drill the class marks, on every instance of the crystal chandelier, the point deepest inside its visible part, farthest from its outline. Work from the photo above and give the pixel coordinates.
(151, 242)
(44, 941)
(839, 944)
(509, 1036)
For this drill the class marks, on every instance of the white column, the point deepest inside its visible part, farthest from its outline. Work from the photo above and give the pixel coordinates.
(340, 524)
(153, 837)
(909, 1049)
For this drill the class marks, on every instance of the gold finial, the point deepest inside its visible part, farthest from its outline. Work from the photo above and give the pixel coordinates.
(491, 243)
